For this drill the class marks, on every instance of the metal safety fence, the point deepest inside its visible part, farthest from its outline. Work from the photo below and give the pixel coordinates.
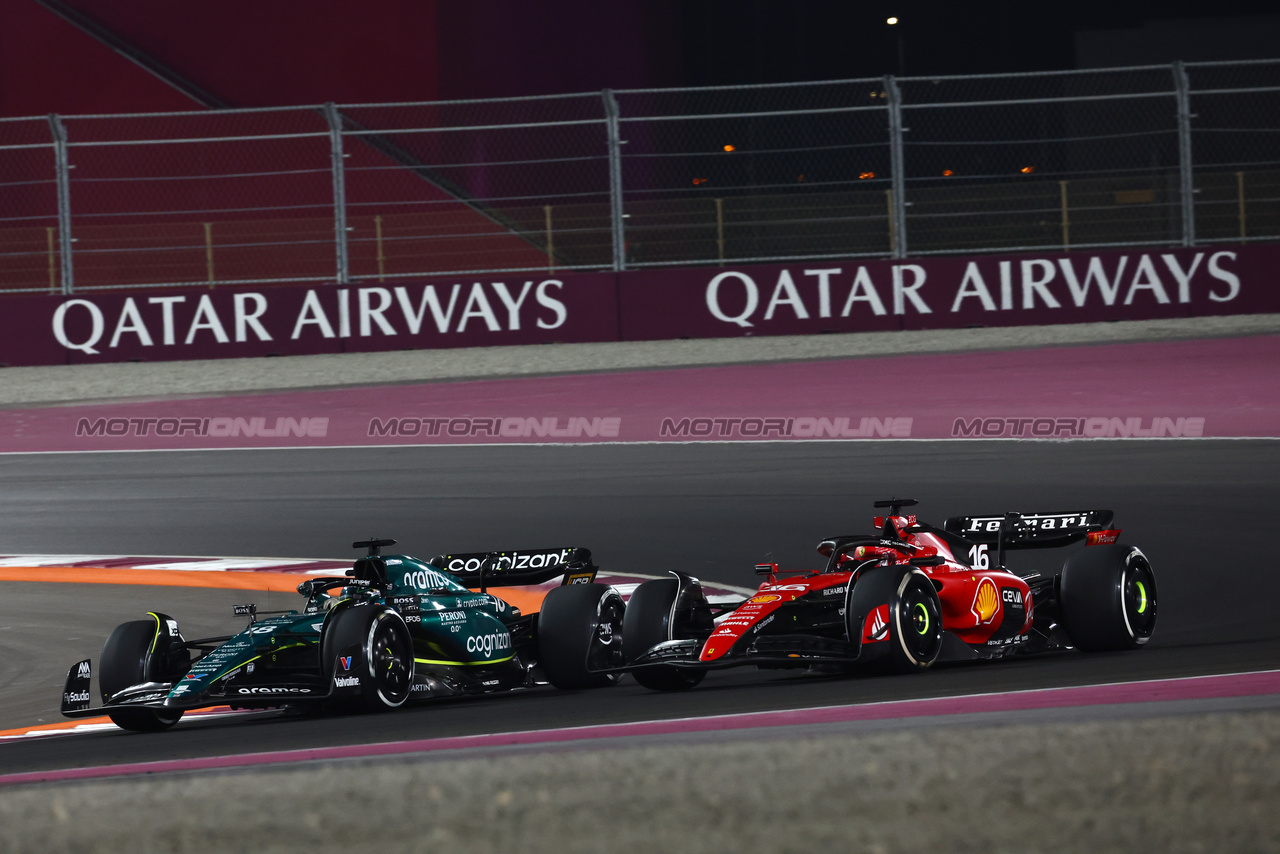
(1178, 155)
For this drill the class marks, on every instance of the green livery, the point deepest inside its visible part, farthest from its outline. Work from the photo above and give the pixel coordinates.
(392, 630)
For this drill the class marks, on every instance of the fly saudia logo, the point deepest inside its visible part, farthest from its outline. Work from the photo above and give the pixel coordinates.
(876, 627)
(986, 602)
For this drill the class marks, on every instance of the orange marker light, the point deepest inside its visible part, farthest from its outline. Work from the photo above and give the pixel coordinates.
(1027, 170)
(947, 173)
(731, 148)
(865, 175)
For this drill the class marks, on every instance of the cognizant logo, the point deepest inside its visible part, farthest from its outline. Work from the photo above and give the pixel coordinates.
(489, 644)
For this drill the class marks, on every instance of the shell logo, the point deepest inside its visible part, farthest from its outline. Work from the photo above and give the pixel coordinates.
(987, 601)
(760, 600)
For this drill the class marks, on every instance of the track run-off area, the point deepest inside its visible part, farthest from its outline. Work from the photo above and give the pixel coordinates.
(1200, 508)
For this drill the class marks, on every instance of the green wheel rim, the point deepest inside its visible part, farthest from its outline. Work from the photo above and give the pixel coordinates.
(1142, 597)
(922, 618)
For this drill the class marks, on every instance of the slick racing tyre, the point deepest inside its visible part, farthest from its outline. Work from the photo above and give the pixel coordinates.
(124, 663)
(646, 623)
(580, 633)
(1108, 598)
(383, 659)
(901, 608)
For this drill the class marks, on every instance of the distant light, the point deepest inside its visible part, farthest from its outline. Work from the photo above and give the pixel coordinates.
(731, 148)
(947, 173)
(891, 21)
(1027, 170)
(800, 178)
(697, 181)
(865, 175)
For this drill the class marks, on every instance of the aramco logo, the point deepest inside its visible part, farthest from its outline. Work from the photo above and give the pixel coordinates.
(987, 602)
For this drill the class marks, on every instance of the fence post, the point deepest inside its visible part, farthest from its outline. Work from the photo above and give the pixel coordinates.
(720, 230)
(339, 191)
(898, 195)
(208, 253)
(64, 201)
(551, 246)
(53, 264)
(1066, 216)
(615, 181)
(1182, 87)
(377, 239)
(1240, 203)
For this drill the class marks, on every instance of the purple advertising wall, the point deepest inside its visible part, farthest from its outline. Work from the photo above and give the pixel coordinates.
(700, 302)
(949, 292)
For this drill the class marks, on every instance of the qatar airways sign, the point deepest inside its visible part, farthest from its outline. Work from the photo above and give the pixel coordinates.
(284, 320)
(798, 298)
(933, 293)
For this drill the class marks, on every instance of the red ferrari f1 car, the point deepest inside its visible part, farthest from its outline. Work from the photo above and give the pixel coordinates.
(902, 599)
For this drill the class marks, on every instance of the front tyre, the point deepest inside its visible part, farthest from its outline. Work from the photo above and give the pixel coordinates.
(894, 617)
(124, 662)
(915, 623)
(1108, 598)
(385, 647)
(647, 623)
(579, 634)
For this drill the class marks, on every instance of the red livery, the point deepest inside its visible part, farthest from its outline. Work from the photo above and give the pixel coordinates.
(904, 598)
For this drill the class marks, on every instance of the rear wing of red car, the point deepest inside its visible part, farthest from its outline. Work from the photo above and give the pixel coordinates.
(1035, 530)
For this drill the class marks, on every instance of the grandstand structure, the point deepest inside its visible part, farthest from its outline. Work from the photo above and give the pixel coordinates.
(182, 167)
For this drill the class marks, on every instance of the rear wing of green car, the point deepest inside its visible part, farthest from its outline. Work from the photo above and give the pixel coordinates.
(520, 566)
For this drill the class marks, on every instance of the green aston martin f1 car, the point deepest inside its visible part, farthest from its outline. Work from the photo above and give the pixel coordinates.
(392, 630)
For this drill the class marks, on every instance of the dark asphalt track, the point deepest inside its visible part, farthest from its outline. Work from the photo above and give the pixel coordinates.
(1202, 511)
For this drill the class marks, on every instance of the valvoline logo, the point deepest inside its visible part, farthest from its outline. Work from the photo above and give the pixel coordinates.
(345, 661)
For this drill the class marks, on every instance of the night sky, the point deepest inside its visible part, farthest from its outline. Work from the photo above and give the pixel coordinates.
(760, 41)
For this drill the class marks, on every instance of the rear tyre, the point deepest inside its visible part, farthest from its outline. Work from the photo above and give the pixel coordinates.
(124, 663)
(386, 661)
(580, 633)
(1108, 598)
(648, 622)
